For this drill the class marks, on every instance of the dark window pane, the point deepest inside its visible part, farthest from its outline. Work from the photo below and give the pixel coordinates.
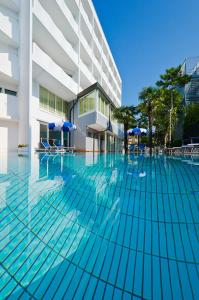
(9, 92)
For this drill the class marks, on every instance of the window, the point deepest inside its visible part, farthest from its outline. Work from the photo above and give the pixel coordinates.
(65, 109)
(43, 97)
(53, 103)
(89, 134)
(9, 92)
(111, 117)
(43, 131)
(58, 105)
(87, 103)
(103, 105)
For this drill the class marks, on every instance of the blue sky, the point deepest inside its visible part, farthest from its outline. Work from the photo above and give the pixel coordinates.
(148, 36)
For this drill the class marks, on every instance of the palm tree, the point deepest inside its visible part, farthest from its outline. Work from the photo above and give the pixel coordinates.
(148, 98)
(126, 116)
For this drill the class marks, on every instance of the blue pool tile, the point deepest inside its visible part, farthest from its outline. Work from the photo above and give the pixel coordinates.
(90, 291)
(156, 278)
(130, 272)
(117, 294)
(166, 279)
(147, 280)
(107, 262)
(100, 231)
(67, 285)
(82, 286)
(175, 280)
(57, 279)
(122, 268)
(74, 285)
(115, 264)
(138, 280)
(108, 293)
(99, 291)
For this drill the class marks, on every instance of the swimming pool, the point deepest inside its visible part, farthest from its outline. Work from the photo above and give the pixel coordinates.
(98, 226)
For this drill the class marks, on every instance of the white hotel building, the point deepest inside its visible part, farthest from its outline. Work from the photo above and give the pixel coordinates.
(56, 65)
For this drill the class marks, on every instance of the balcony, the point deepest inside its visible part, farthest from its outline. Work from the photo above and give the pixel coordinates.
(87, 78)
(52, 76)
(86, 46)
(9, 28)
(9, 68)
(63, 18)
(50, 38)
(86, 20)
(9, 107)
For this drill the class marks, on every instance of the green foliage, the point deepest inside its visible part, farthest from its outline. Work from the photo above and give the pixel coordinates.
(176, 143)
(168, 107)
(126, 116)
(149, 99)
(191, 122)
(173, 78)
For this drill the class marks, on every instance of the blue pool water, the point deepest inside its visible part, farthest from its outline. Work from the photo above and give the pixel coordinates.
(99, 227)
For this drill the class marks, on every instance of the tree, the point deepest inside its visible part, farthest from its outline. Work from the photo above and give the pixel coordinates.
(148, 98)
(173, 80)
(163, 115)
(126, 116)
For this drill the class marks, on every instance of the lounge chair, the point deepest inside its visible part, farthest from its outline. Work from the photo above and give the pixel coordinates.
(47, 146)
(59, 147)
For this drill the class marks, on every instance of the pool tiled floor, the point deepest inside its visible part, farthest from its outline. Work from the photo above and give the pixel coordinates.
(99, 227)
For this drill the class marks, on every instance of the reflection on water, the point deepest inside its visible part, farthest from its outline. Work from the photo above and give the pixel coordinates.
(56, 209)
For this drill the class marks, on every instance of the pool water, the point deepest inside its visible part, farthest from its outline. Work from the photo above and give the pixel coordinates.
(98, 226)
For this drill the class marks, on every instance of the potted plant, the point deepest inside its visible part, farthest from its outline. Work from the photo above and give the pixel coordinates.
(23, 149)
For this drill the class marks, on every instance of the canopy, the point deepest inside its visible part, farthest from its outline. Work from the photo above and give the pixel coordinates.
(137, 131)
(64, 126)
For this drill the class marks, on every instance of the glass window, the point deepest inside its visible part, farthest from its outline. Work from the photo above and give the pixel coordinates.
(103, 105)
(87, 103)
(58, 105)
(65, 109)
(51, 102)
(43, 131)
(9, 92)
(43, 97)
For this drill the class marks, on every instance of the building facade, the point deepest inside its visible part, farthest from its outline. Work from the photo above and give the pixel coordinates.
(56, 65)
(191, 90)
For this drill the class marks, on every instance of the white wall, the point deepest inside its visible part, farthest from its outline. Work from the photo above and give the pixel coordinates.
(9, 66)
(8, 106)
(9, 27)
(8, 136)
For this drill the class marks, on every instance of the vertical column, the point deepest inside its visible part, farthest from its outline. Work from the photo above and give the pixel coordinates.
(92, 42)
(79, 46)
(25, 62)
